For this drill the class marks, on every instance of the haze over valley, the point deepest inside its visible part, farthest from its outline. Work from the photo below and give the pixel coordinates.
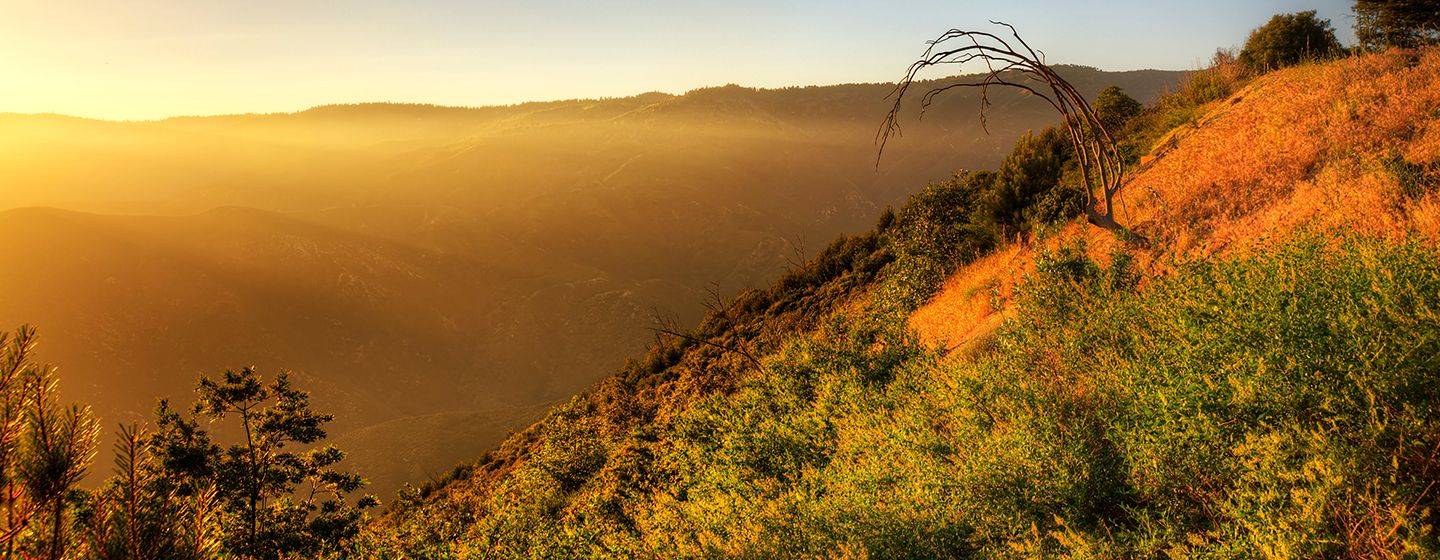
(438, 276)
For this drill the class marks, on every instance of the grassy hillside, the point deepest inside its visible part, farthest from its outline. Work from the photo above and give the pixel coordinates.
(1258, 381)
(417, 265)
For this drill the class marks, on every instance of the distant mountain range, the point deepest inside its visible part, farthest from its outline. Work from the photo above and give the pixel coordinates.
(437, 275)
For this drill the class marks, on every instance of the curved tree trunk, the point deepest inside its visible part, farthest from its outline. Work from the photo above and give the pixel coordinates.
(1021, 67)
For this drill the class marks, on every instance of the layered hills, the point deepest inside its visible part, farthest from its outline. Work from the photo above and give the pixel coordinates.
(439, 276)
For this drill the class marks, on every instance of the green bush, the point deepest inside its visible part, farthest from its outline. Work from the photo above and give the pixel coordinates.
(1115, 108)
(1279, 403)
(943, 223)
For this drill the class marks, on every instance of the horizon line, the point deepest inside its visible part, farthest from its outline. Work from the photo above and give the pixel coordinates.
(442, 105)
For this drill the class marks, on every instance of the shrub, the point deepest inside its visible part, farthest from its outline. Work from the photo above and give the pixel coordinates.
(939, 224)
(1115, 108)
(1033, 169)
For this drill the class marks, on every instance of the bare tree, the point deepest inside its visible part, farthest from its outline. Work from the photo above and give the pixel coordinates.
(718, 310)
(797, 259)
(1012, 63)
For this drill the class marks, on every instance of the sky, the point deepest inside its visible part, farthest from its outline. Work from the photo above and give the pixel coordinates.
(148, 59)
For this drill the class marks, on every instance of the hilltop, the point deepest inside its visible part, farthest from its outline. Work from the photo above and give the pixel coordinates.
(982, 374)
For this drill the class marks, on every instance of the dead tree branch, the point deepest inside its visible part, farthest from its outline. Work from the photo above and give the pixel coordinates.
(718, 310)
(797, 259)
(1013, 63)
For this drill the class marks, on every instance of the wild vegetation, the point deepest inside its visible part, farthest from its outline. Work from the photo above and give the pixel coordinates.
(1256, 381)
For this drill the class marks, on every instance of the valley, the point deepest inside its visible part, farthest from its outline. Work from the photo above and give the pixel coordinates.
(437, 276)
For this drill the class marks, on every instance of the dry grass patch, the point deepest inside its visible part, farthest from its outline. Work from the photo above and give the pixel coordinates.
(969, 304)
(1300, 148)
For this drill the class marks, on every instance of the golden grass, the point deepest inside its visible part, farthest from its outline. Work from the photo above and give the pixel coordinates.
(964, 309)
(1303, 147)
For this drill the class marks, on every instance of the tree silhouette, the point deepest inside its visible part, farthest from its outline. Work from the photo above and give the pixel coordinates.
(1396, 23)
(281, 495)
(176, 493)
(1012, 63)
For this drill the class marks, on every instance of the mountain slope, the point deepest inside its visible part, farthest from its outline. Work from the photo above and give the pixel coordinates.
(434, 263)
(1260, 379)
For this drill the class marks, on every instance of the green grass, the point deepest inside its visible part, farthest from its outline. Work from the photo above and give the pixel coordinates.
(1282, 404)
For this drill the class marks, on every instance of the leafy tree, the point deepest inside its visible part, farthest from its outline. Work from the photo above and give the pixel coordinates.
(1396, 23)
(1287, 40)
(1115, 108)
(277, 498)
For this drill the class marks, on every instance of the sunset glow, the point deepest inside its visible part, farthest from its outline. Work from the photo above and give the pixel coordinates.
(155, 58)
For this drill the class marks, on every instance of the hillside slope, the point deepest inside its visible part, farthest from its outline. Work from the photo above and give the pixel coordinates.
(433, 263)
(1348, 145)
(1259, 380)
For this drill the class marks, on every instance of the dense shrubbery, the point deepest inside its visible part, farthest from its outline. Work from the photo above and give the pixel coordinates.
(1281, 403)
(1115, 108)
(953, 222)
(960, 219)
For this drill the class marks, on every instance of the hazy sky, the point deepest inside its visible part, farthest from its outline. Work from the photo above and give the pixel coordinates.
(139, 59)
